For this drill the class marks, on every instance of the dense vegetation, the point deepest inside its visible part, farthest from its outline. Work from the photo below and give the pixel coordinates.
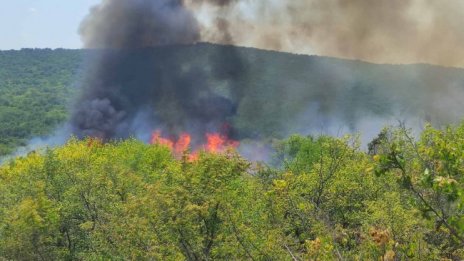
(322, 198)
(280, 93)
(325, 200)
(35, 87)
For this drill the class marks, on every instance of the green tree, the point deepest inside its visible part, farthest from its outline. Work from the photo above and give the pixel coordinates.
(431, 170)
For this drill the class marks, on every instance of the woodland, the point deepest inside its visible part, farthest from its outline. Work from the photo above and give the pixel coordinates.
(318, 197)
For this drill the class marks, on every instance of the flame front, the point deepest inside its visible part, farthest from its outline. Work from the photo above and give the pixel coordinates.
(183, 143)
(157, 139)
(215, 143)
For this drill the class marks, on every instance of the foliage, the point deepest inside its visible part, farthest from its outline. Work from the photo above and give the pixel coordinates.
(431, 170)
(127, 200)
(272, 93)
(323, 199)
(35, 88)
(328, 200)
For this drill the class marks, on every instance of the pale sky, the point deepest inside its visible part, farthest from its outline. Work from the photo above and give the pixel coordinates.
(42, 23)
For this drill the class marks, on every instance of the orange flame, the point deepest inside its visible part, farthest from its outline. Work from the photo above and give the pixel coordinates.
(183, 143)
(215, 143)
(157, 139)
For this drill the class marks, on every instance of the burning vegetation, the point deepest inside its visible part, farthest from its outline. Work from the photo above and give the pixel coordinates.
(102, 196)
(182, 146)
(125, 80)
(138, 80)
(326, 200)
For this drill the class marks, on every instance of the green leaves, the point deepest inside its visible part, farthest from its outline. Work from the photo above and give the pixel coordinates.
(129, 200)
(431, 169)
(35, 91)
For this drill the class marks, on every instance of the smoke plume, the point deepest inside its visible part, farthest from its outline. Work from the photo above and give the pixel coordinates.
(124, 78)
(382, 31)
(146, 69)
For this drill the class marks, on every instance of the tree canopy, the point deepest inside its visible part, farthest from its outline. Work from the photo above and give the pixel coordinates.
(35, 90)
(325, 200)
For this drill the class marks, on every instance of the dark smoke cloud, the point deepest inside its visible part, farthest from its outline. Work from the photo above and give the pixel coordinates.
(139, 23)
(147, 64)
(127, 75)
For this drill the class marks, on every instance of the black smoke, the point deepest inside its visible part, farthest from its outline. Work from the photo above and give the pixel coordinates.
(134, 69)
(148, 71)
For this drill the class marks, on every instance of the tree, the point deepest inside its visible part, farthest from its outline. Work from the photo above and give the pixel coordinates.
(431, 170)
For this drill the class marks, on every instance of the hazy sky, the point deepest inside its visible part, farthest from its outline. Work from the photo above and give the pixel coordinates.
(42, 23)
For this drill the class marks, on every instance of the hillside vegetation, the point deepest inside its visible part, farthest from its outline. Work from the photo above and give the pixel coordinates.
(321, 198)
(327, 200)
(35, 88)
(279, 93)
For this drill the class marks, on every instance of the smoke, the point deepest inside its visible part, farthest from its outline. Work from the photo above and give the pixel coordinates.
(383, 31)
(57, 138)
(117, 24)
(148, 71)
(126, 75)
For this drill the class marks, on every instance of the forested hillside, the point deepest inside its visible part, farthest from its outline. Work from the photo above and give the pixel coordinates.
(280, 93)
(320, 197)
(35, 88)
(327, 200)
(294, 91)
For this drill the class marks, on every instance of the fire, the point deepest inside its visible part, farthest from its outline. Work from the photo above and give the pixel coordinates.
(215, 143)
(157, 139)
(183, 143)
(218, 143)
